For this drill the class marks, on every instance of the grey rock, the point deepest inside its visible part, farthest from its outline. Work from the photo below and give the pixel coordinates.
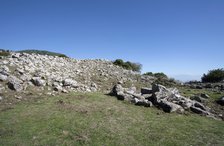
(58, 88)
(3, 77)
(199, 105)
(146, 90)
(209, 86)
(94, 85)
(197, 98)
(131, 90)
(37, 81)
(70, 82)
(15, 83)
(170, 107)
(64, 91)
(206, 96)
(198, 110)
(199, 87)
(142, 102)
(117, 89)
(158, 88)
(221, 101)
(16, 55)
(4, 70)
(1, 98)
(18, 97)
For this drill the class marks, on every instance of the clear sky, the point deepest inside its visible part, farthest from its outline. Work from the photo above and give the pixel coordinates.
(182, 38)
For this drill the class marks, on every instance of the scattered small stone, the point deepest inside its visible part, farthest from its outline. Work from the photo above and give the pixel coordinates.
(18, 97)
(206, 96)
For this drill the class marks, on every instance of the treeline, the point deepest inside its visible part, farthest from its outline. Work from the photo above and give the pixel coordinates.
(128, 65)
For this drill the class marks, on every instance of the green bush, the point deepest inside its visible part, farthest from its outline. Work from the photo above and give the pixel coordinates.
(157, 75)
(4, 52)
(128, 65)
(43, 52)
(160, 75)
(148, 74)
(216, 75)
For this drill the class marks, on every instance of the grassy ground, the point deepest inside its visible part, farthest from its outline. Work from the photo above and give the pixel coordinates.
(210, 102)
(96, 119)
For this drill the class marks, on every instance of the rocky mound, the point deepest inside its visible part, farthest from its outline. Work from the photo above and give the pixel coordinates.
(22, 71)
(167, 99)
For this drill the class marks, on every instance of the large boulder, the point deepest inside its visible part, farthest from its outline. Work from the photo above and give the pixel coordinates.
(170, 107)
(15, 83)
(37, 81)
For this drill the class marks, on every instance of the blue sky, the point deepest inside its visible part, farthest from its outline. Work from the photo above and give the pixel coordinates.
(182, 38)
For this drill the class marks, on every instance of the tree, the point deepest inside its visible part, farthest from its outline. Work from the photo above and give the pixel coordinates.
(128, 65)
(216, 75)
(160, 75)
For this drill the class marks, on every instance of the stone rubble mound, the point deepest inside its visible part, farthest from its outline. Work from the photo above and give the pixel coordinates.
(169, 100)
(21, 71)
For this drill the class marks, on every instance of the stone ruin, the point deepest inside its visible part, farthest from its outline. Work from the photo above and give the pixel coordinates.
(167, 99)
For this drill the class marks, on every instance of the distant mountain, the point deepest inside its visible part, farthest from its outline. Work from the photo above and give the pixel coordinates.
(186, 77)
(42, 52)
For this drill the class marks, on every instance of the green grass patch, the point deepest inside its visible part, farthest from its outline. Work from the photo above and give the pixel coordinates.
(96, 119)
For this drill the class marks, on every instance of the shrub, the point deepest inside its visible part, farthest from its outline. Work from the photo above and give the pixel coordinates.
(160, 75)
(216, 75)
(148, 74)
(128, 65)
(43, 52)
(4, 52)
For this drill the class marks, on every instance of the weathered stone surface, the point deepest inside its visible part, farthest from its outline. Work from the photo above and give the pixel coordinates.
(198, 110)
(221, 101)
(37, 81)
(58, 88)
(146, 90)
(206, 96)
(15, 84)
(70, 82)
(142, 102)
(197, 98)
(199, 105)
(3, 77)
(169, 106)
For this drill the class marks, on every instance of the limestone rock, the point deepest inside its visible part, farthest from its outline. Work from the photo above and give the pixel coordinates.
(3, 77)
(70, 82)
(37, 81)
(170, 107)
(146, 90)
(15, 83)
